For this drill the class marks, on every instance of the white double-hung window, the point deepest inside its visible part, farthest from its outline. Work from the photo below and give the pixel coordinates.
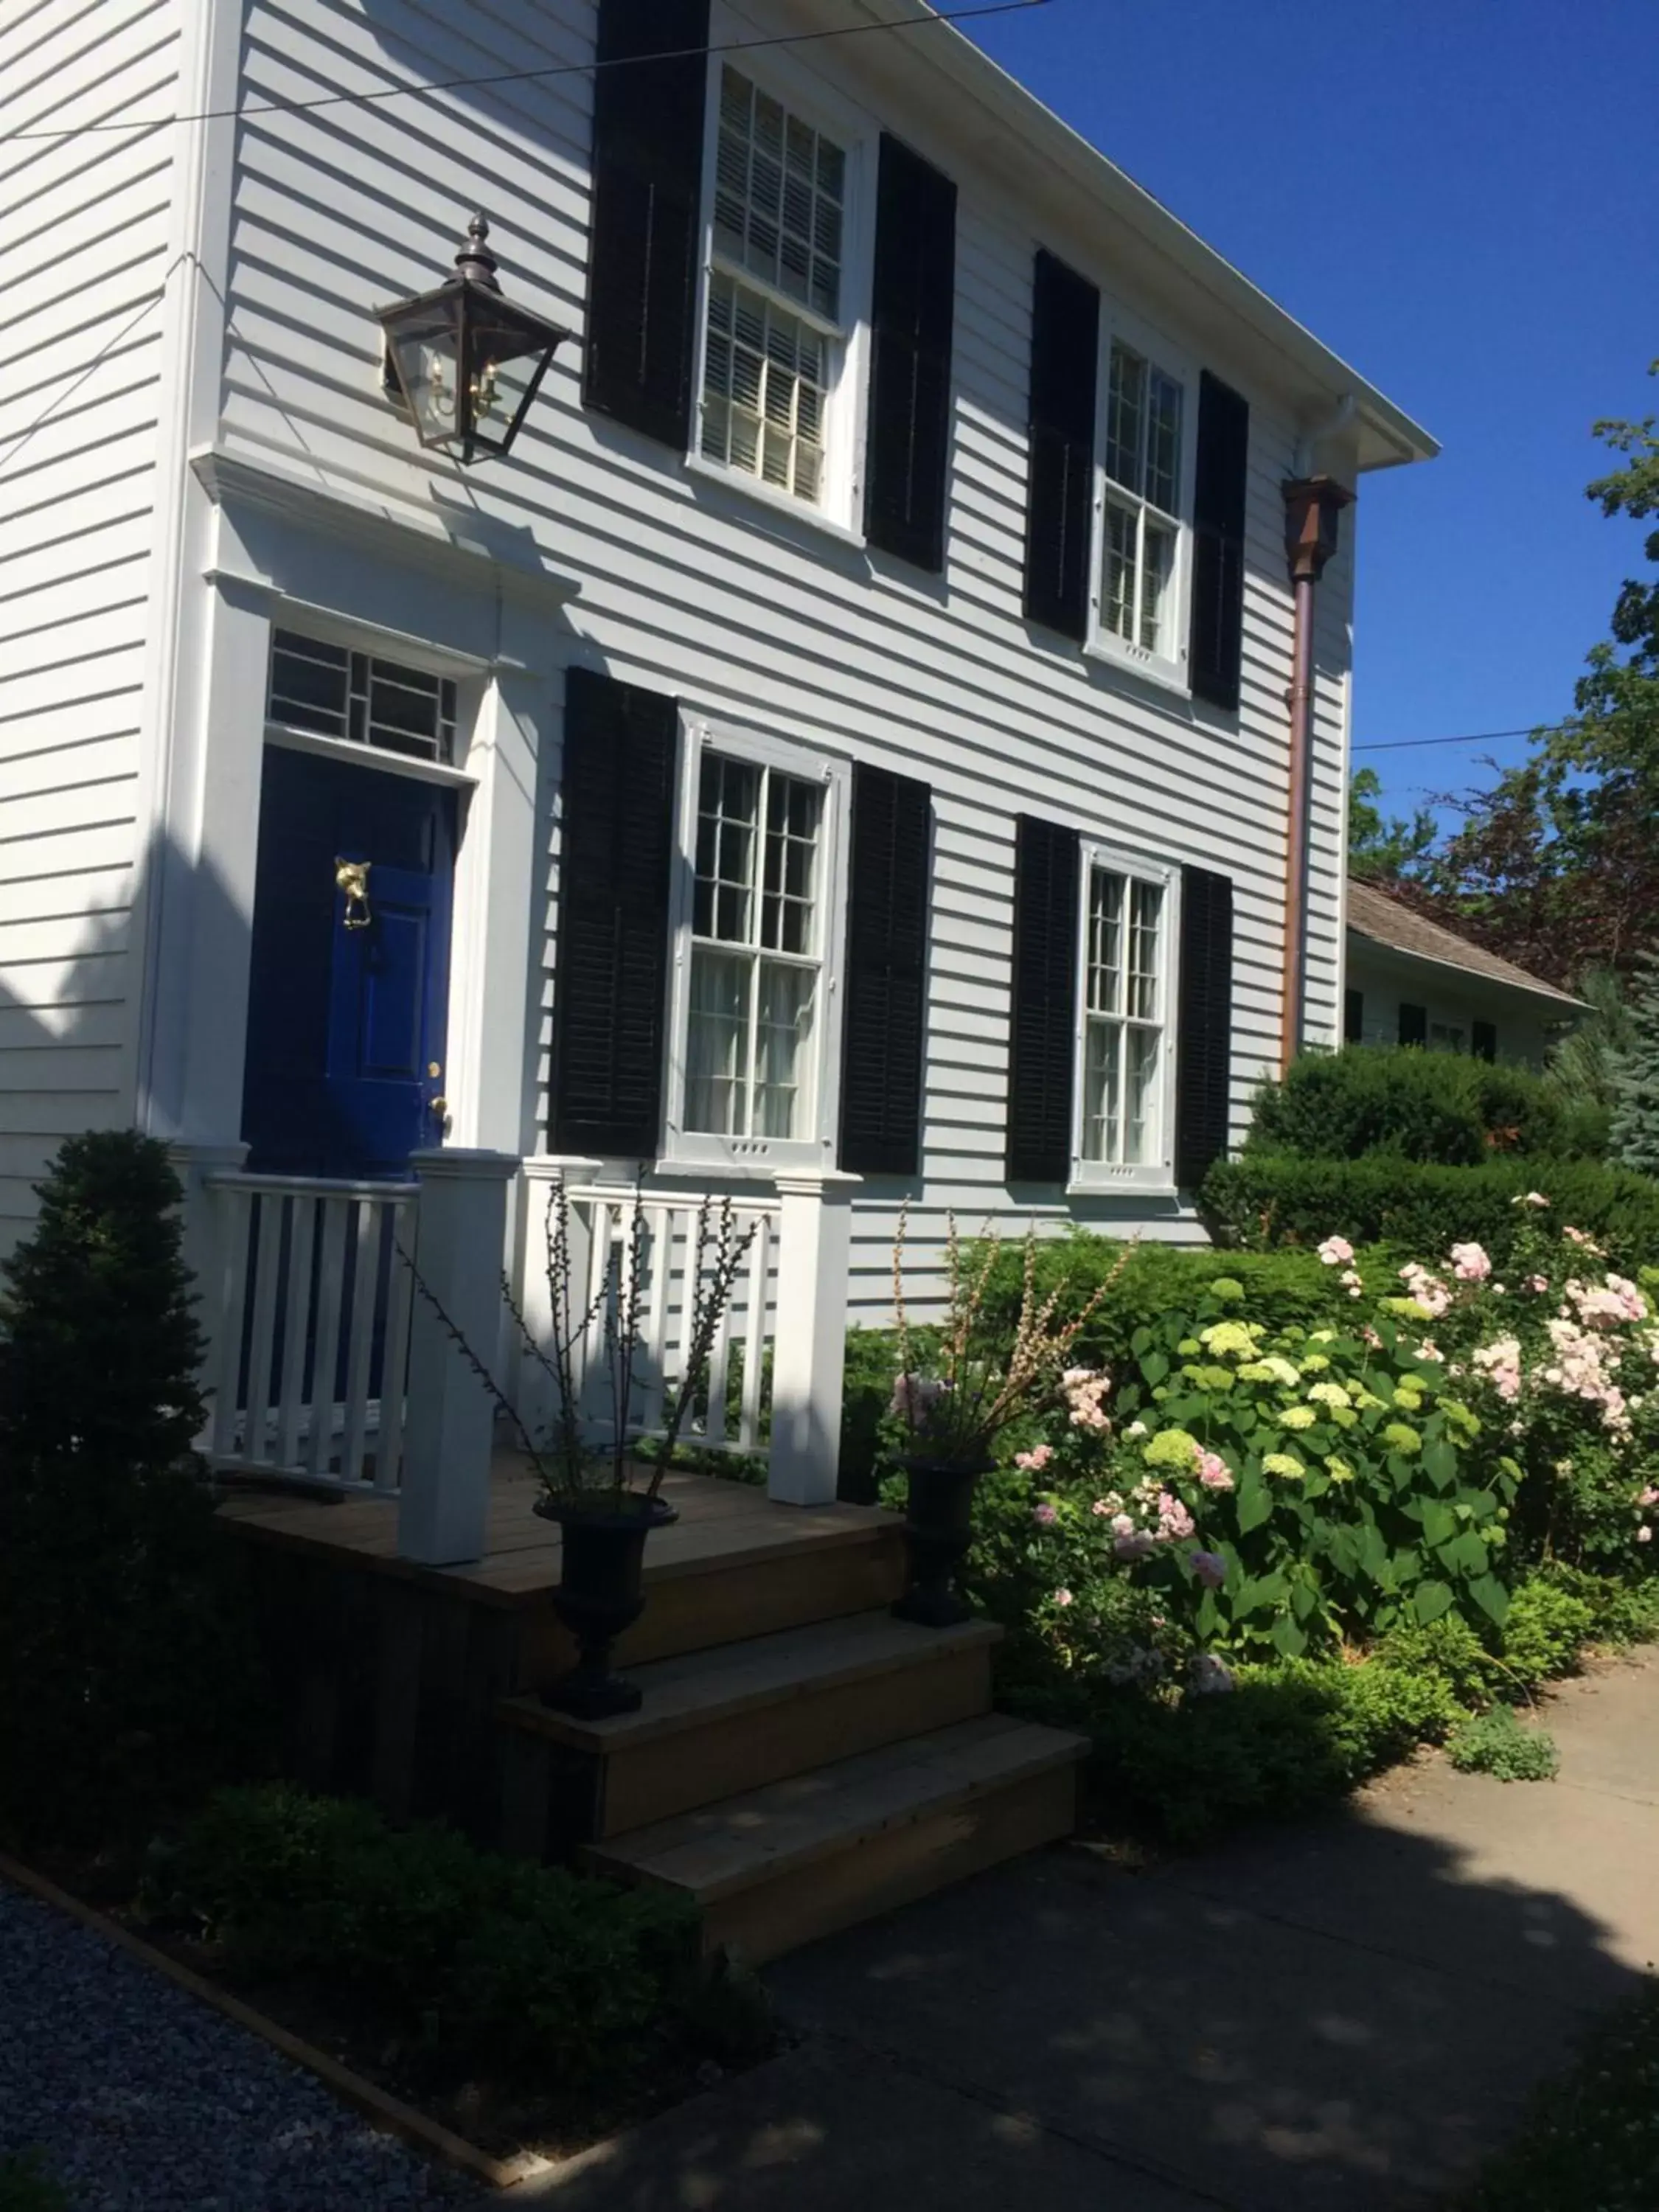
(754, 966)
(1144, 505)
(1126, 1043)
(778, 336)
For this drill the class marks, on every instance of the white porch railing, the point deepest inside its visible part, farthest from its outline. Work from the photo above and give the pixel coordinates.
(309, 1321)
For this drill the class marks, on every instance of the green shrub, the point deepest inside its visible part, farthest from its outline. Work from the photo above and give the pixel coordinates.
(127, 1676)
(1270, 1200)
(1449, 1651)
(1435, 1106)
(1546, 1628)
(1496, 1743)
(538, 1969)
(25, 2186)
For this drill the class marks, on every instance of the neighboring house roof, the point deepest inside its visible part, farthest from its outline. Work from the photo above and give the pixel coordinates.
(1383, 921)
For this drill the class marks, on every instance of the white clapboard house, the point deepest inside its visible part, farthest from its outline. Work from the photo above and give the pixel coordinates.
(878, 734)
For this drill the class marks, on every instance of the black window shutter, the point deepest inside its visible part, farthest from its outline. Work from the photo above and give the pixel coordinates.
(913, 312)
(648, 181)
(1042, 1033)
(1204, 1042)
(1218, 617)
(1060, 501)
(616, 836)
(1413, 1024)
(1484, 1037)
(1353, 1016)
(891, 867)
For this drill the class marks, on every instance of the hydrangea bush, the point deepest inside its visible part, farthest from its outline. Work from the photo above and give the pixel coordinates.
(1262, 1492)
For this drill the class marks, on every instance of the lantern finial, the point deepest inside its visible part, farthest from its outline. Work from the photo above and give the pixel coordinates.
(474, 260)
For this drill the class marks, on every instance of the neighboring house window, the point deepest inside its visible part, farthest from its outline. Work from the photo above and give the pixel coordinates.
(1353, 1016)
(1141, 530)
(335, 692)
(776, 333)
(1446, 1036)
(1485, 1039)
(1127, 952)
(1413, 1024)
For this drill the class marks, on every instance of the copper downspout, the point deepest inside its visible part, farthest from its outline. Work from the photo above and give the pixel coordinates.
(1312, 506)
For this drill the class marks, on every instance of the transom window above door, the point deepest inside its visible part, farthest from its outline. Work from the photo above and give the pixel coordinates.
(775, 332)
(335, 691)
(756, 951)
(1125, 1043)
(1140, 538)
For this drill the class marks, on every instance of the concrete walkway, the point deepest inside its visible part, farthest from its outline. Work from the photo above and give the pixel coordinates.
(1346, 2015)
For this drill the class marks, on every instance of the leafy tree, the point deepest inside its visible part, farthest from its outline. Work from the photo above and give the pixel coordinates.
(1557, 866)
(1383, 849)
(1583, 1066)
(1635, 1078)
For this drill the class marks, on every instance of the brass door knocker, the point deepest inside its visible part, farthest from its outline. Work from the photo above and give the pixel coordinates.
(351, 877)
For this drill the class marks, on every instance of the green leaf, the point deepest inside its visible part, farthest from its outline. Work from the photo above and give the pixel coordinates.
(1467, 1556)
(1439, 1523)
(1429, 1600)
(1490, 1594)
(1141, 1339)
(1256, 1504)
(1155, 1365)
(1304, 1601)
(1290, 1635)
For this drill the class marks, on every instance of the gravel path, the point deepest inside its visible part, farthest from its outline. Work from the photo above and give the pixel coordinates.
(141, 2099)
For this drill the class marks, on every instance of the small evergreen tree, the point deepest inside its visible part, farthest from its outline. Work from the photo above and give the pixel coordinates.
(123, 1663)
(1636, 1079)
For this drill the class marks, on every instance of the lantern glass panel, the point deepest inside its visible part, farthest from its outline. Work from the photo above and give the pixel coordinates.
(423, 351)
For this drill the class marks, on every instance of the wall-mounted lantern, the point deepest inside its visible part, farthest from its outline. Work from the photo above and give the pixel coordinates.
(465, 361)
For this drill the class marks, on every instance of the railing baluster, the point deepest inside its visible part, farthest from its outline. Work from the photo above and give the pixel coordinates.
(267, 1266)
(235, 1213)
(394, 1362)
(296, 1318)
(325, 1360)
(659, 1226)
(361, 1326)
(754, 1336)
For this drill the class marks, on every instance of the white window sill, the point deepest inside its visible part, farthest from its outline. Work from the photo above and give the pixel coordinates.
(756, 1160)
(1151, 667)
(1089, 1179)
(781, 502)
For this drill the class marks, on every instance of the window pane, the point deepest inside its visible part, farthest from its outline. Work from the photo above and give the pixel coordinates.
(1141, 1135)
(340, 694)
(728, 796)
(1157, 569)
(782, 1045)
(779, 187)
(1106, 943)
(791, 830)
(1101, 1104)
(307, 683)
(1145, 920)
(717, 1043)
(1125, 417)
(1117, 604)
(765, 381)
(1164, 443)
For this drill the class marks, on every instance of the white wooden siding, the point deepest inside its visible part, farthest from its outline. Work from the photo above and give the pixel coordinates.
(691, 588)
(83, 245)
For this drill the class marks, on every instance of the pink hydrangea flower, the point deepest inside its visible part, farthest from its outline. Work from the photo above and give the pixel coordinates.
(1135, 1546)
(1430, 1350)
(1650, 1497)
(1209, 1568)
(1063, 1597)
(1540, 1283)
(1045, 1514)
(1470, 1263)
(1644, 1534)
(1579, 1237)
(1174, 1521)
(1035, 1460)
(1122, 1525)
(1530, 1198)
(1213, 1471)
(1336, 1251)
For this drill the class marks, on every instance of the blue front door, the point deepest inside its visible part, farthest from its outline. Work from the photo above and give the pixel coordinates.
(349, 977)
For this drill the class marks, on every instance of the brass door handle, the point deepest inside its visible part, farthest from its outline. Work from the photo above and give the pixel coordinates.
(351, 877)
(440, 1106)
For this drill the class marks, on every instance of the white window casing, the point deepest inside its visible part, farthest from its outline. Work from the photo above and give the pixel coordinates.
(755, 978)
(1145, 447)
(1129, 921)
(782, 344)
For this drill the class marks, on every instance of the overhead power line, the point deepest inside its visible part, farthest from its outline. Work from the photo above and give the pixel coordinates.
(522, 77)
(1490, 737)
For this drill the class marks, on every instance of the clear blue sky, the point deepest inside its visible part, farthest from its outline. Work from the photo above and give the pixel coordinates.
(1462, 198)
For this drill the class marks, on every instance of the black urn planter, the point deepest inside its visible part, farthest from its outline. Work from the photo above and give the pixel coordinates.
(599, 1594)
(939, 1527)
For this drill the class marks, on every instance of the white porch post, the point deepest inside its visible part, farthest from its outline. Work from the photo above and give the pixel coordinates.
(810, 1342)
(461, 1240)
(194, 1163)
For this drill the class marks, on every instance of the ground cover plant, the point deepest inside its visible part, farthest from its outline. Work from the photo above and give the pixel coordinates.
(1496, 1743)
(540, 1996)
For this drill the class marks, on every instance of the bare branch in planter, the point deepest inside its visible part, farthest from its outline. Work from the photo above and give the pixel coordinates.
(710, 1299)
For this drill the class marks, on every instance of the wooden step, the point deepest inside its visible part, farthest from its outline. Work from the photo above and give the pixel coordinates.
(779, 1867)
(718, 1722)
(749, 1573)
